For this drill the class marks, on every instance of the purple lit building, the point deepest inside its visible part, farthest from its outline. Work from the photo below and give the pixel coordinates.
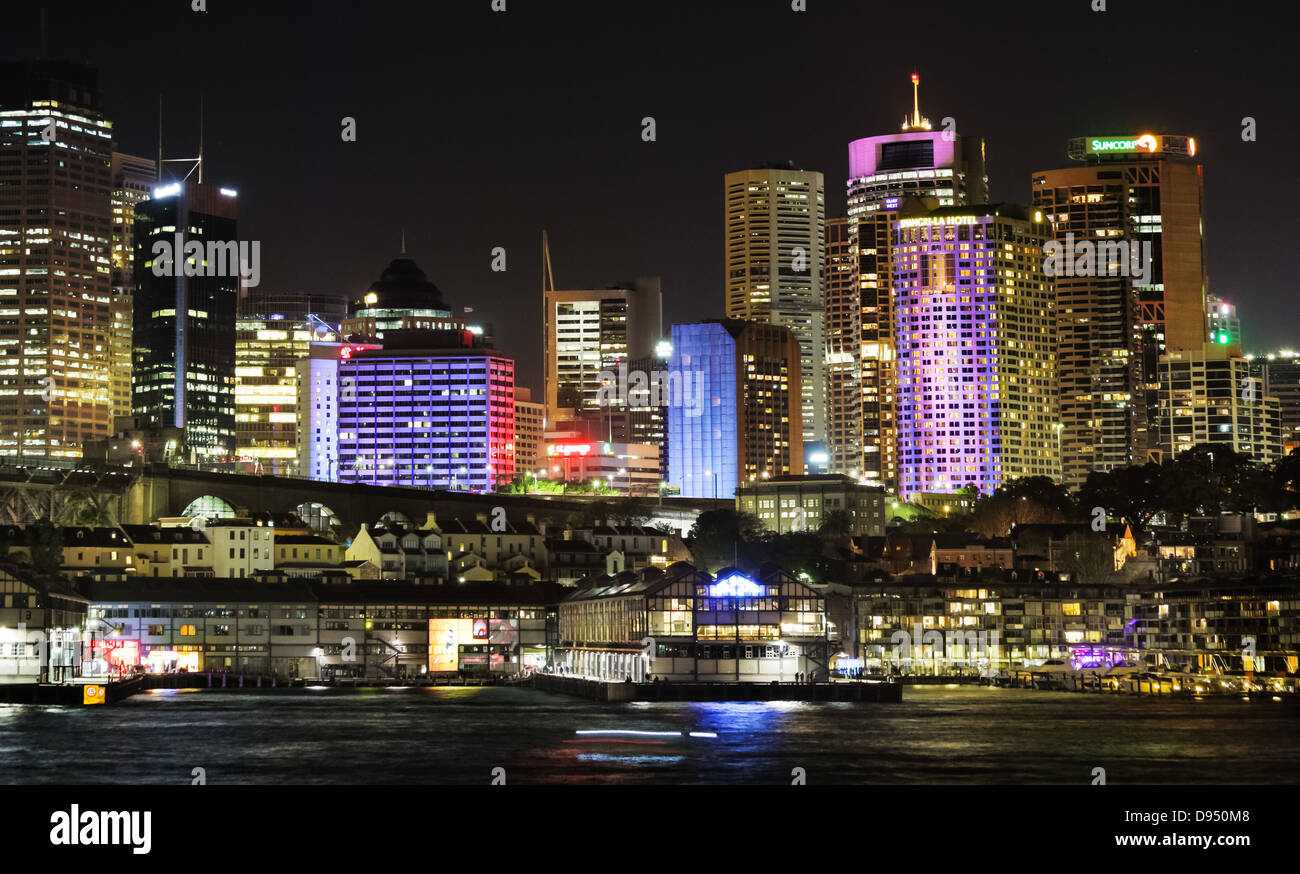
(975, 332)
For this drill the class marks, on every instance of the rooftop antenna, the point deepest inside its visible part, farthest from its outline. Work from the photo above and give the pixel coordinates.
(158, 169)
(916, 122)
(200, 161)
(403, 241)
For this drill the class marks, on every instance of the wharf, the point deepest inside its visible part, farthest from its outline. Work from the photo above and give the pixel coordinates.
(600, 690)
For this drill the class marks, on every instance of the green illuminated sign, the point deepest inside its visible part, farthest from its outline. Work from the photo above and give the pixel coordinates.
(1143, 143)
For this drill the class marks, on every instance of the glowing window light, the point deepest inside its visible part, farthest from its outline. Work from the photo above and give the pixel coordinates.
(737, 586)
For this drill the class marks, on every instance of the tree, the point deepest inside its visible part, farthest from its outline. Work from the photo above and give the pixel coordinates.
(836, 523)
(1134, 494)
(1025, 501)
(45, 545)
(717, 535)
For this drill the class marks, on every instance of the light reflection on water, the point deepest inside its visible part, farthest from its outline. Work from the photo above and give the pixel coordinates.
(457, 735)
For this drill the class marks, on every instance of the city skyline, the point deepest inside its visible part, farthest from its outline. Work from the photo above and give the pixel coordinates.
(494, 194)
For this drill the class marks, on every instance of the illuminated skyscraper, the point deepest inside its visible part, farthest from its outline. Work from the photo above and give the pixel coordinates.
(530, 428)
(975, 330)
(1205, 398)
(920, 167)
(55, 270)
(133, 180)
(430, 410)
(590, 332)
(775, 243)
(735, 416)
(184, 316)
(1117, 315)
(273, 331)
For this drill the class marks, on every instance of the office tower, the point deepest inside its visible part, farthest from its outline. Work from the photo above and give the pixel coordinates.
(1165, 210)
(273, 331)
(430, 409)
(184, 315)
(402, 299)
(916, 168)
(648, 410)
(975, 329)
(530, 427)
(133, 180)
(1103, 409)
(736, 414)
(589, 333)
(843, 351)
(1225, 326)
(316, 411)
(55, 280)
(1205, 398)
(775, 243)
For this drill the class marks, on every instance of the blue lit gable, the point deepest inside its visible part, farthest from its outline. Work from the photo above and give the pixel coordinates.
(737, 586)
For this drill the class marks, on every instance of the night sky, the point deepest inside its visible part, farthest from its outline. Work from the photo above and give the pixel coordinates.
(478, 129)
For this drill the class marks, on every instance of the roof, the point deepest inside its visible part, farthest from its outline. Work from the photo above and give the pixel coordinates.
(192, 590)
(143, 535)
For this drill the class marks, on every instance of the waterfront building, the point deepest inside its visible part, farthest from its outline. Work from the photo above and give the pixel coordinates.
(317, 629)
(738, 413)
(887, 172)
(775, 243)
(42, 618)
(56, 317)
(804, 503)
(401, 552)
(430, 409)
(171, 551)
(734, 628)
(184, 316)
(133, 181)
(974, 327)
(273, 332)
(1208, 396)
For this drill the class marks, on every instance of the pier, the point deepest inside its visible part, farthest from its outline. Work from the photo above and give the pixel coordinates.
(600, 690)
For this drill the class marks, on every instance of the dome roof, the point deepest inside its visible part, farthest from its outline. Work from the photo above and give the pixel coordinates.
(402, 285)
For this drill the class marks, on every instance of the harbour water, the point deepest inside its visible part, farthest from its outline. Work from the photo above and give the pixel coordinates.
(937, 735)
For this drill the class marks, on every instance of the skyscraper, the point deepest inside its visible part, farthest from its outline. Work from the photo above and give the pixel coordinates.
(1118, 315)
(923, 168)
(1205, 397)
(775, 243)
(273, 331)
(1163, 189)
(187, 279)
(55, 279)
(430, 409)
(736, 414)
(975, 331)
(133, 181)
(589, 332)
(844, 437)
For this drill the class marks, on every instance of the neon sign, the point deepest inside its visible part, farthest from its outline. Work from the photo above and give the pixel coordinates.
(567, 449)
(737, 586)
(1143, 143)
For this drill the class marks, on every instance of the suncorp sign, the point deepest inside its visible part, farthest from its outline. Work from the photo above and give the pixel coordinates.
(1143, 143)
